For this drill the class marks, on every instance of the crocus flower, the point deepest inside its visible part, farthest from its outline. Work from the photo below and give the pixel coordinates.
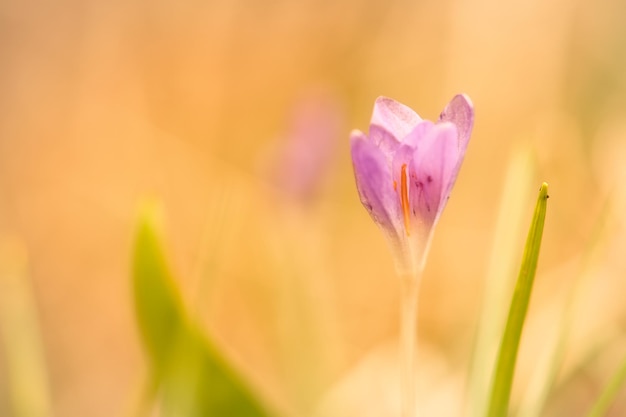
(302, 162)
(405, 170)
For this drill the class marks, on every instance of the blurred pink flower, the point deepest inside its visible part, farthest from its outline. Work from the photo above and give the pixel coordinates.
(405, 170)
(302, 162)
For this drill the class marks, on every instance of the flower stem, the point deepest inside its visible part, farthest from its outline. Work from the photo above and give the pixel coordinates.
(408, 331)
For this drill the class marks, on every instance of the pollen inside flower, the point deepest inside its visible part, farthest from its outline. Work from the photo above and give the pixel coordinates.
(404, 198)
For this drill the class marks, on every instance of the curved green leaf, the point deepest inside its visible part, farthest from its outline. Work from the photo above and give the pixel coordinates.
(507, 356)
(192, 376)
(157, 302)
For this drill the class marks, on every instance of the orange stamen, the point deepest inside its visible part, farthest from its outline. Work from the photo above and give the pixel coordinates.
(404, 198)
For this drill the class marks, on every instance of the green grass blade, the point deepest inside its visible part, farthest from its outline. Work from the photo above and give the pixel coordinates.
(544, 378)
(24, 374)
(517, 189)
(158, 305)
(507, 356)
(193, 378)
(606, 398)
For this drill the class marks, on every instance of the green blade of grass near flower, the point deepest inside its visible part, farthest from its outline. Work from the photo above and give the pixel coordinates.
(507, 356)
(186, 367)
(544, 376)
(157, 302)
(499, 281)
(26, 373)
(607, 396)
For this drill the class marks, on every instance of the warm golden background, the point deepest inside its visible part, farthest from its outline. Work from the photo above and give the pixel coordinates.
(197, 104)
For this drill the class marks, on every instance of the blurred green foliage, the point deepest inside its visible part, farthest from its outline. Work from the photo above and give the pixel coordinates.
(189, 374)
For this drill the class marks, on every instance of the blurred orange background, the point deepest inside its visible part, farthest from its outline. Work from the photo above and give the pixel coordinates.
(104, 104)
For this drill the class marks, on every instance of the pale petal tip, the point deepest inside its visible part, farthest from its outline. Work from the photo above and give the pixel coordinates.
(464, 99)
(394, 106)
(356, 134)
(385, 108)
(460, 111)
(383, 100)
(394, 117)
(460, 104)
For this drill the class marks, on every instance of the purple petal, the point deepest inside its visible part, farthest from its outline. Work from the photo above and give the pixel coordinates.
(404, 152)
(419, 131)
(384, 141)
(393, 117)
(374, 183)
(460, 112)
(433, 171)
